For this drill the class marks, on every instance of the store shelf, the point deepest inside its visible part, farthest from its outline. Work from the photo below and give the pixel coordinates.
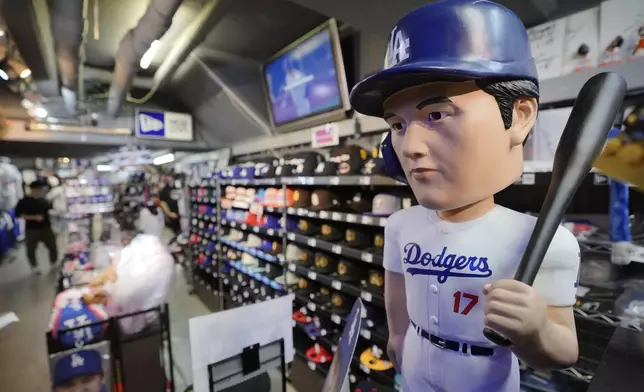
(566, 88)
(208, 269)
(323, 369)
(252, 251)
(606, 318)
(367, 220)
(326, 181)
(258, 277)
(372, 298)
(337, 249)
(207, 218)
(204, 200)
(254, 229)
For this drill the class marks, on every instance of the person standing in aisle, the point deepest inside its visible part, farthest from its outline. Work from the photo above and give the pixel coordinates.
(169, 203)
(34, 209)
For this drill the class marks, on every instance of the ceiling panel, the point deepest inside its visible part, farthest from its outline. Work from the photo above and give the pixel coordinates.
(257, 29)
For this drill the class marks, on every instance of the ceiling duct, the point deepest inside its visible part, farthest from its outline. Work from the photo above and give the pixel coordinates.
(152, 25)
(67, 26)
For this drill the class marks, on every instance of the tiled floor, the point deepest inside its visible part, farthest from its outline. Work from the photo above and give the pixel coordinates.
(23, 356)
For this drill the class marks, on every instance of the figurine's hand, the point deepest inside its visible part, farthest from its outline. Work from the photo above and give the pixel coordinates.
(395, 351)
(515, 310)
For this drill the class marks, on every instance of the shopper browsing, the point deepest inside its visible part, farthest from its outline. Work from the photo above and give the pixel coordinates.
(80, 371)
(169, 203)
(34, 209)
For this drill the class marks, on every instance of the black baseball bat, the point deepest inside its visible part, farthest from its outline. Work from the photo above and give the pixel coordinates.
(582, 140)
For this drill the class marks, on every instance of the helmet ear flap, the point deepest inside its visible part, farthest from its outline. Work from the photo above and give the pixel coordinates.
(392, 164)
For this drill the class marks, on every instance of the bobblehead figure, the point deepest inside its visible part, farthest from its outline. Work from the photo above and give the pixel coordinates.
(459, 91)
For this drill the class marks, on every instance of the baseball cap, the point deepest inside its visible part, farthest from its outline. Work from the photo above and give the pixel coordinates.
(375, 281)
(324, 264)
(356, 239)
(78, 363)
(308, 227)
(304, 163)
(330, 233)
(323, 199)
(74, 315)
(350, 159)
(326, 168)
(252, 241)
(290, 280)
(374, 166)
(305, 287)
(322, 296)
(301, 198)
(385, 204)
(340, 303)
(348, 271)
(271, 247)
(376, 359)
(318, 354)
(359, 203)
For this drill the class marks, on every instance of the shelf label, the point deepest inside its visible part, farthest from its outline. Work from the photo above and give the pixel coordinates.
(235, 287)
(291, 211)
(351, 218)
(312, 365)
(365, 333)
(302, 212)
(364, 368)
(526, 179)
(291, 236)
(365, 180)
(366, 296)
(367, 220)
(312, 214)
(244, 227)
(311, 306)
(226, 281)
(256, 229)
(324, 215)
(233, 224)
(336, 285)
(366, 257)
(337, 249)
(270, 232)
(336, 319)
(246, 295)
(311, 242)
(336, 216)
(312, 275)
(334, 181)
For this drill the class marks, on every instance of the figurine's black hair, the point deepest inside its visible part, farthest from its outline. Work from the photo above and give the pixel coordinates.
(506, 92)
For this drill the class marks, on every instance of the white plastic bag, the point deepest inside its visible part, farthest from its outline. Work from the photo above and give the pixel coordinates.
(144, 277)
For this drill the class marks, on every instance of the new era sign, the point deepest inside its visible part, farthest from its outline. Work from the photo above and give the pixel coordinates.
(164, 125)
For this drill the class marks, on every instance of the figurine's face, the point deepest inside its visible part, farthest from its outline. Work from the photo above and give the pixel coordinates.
(452, 144)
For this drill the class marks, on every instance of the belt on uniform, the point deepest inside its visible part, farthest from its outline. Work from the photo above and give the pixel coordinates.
(454, 345)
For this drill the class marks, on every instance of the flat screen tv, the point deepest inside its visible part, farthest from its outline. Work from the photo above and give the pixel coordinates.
(305, 82)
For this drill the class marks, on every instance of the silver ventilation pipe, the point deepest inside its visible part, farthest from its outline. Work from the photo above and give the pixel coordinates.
(66, 18)
(152, 25)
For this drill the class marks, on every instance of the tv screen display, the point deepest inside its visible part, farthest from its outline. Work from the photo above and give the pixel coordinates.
(303, 81)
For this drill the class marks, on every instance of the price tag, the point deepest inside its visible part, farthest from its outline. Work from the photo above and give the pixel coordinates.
(312, 214)
(312, 275)
(311, 306)
(366, 257)
(233, 224)
(351, 218)
(336, 285)
(235, 287)
(365, 333)
(256, 229)
(337, 249)
(291, 236)
(312, 365)
(336, 319)
(334, 180)
(366, 296)
(364, 368)
(292, 267)
(291, 211)
(324, 215)
(365, 180)
(302, 212)
(270, 232)
(311, 242)
(226, 281)
(367, 220)
(246, 295)
(244, 227)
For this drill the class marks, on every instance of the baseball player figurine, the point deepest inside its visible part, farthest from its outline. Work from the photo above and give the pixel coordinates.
(459, 91)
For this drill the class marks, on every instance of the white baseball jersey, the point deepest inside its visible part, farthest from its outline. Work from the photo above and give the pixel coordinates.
(446, 265)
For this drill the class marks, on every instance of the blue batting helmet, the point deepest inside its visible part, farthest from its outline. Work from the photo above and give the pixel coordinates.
(447, 40)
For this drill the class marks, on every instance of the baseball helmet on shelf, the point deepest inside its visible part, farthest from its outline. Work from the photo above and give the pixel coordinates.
(446, 40)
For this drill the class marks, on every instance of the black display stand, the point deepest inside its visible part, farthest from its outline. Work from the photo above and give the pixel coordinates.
(248, 371)
(622, 364)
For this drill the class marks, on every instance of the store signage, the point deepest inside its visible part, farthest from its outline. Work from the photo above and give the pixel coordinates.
(326, 136)
(164, 125)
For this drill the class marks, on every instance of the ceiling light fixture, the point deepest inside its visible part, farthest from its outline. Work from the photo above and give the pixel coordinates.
(25, 73)
(3, 75)
(104, 168)
(41, 112)
(160, 160)
(149, 54)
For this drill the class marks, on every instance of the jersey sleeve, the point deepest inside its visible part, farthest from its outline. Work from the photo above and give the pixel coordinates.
(391, 255)
(558, 276)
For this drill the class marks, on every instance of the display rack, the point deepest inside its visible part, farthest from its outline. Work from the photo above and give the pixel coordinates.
(234, 284)
(86, 197)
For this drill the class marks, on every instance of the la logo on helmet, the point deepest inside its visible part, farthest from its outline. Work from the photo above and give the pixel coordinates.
(398, 48)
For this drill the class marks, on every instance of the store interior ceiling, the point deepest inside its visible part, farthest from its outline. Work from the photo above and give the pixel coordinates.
(208, 63)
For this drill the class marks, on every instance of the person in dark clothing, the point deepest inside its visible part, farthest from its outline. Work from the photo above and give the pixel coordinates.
(34, 209)
(169, 203)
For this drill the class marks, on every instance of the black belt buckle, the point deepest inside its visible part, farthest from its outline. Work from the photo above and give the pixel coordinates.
(438, 342)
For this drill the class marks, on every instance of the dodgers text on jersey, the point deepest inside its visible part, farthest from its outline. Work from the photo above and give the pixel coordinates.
(444, 264)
